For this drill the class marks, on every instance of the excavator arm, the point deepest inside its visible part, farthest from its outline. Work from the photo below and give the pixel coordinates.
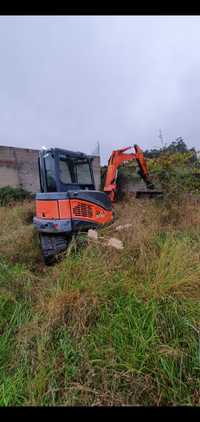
(116, 159)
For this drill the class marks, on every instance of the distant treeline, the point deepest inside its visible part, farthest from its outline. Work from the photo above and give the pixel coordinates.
(178, 145)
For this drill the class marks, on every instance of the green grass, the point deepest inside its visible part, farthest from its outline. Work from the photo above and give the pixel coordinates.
(103, 327)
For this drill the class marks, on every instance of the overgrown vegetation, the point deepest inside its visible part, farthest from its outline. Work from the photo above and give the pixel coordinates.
(176, 168)
(9, 194)
(173, 168)
(103, 327)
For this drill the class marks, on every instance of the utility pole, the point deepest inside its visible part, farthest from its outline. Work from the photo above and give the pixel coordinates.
(161, 138)
(96, 164)
(97, 149)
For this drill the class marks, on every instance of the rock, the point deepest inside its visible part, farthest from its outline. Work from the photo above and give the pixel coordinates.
(92, 234)
(115, 243)
(123, 226)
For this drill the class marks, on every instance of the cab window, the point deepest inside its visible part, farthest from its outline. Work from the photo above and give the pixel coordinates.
(49, 163)
(64, 171)
(83, 173)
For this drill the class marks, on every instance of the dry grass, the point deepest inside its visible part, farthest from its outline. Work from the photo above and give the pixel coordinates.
(18, 241)
(103, 326)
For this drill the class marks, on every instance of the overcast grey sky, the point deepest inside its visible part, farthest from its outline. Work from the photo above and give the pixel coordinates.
(69, 81)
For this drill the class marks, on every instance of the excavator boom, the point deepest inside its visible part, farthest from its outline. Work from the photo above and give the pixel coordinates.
(116, 159)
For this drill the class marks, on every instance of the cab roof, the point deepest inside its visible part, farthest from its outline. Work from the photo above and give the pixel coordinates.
(70, 154)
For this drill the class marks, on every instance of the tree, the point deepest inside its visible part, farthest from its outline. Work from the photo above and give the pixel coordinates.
(178, 145)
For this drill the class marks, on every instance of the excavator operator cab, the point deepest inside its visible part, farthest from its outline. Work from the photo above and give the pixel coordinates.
(67, 202)
(62, 170)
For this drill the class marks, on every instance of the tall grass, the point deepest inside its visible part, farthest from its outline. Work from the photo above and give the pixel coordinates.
(102, 326)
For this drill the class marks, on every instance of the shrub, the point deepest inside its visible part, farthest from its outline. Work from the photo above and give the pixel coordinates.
(177, 173)
(8, 195)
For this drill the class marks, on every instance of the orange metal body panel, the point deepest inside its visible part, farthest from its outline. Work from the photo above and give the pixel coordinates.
(64, 208)
(47, 209)
(73, 208)
(87, 211)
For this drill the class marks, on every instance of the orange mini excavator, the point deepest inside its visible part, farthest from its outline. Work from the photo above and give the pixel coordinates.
(68, 202)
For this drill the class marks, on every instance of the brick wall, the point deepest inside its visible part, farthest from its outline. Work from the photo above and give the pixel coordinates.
(19, 167)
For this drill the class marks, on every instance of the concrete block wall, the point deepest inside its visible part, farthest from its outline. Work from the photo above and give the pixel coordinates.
(134, 186)
(96, 165)
(19, 167)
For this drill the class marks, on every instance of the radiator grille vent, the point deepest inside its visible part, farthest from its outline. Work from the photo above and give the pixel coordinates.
(82, 210)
